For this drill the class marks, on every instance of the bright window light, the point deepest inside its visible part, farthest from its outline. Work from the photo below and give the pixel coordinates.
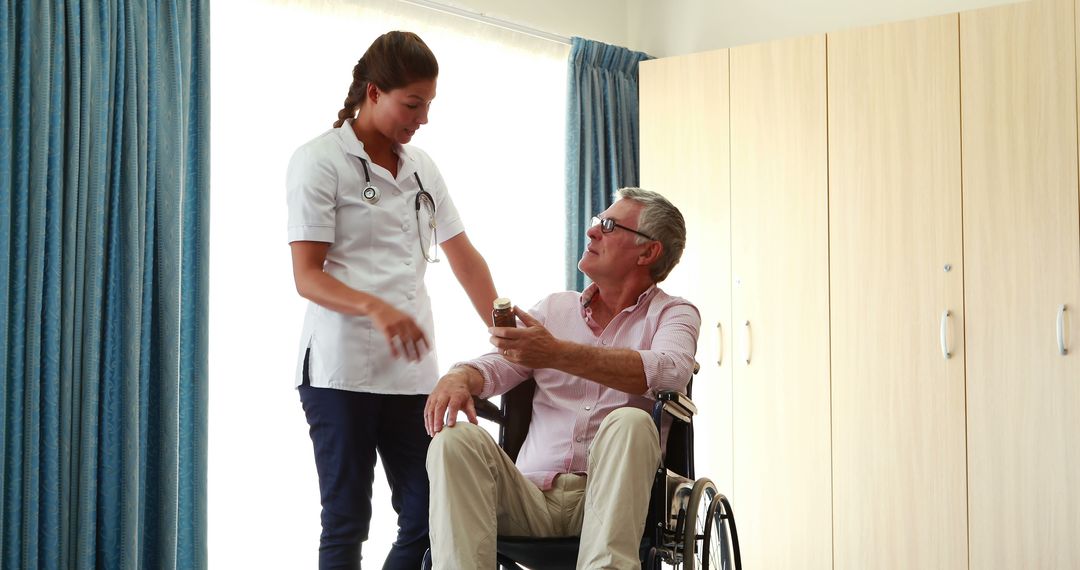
(280, 72)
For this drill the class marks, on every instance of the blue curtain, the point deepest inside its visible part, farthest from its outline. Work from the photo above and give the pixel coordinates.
(103, 234)
(601, 137)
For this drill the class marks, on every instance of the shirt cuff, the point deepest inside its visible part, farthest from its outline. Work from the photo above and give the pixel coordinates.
(479, 365)
(662, 373)
(311, 233)
(450, 230)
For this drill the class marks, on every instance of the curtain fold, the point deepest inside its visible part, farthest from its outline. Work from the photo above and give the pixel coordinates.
(104, 115)
(601, 137)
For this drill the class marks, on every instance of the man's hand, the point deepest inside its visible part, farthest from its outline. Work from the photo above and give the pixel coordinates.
(453, 393)
(532, 346)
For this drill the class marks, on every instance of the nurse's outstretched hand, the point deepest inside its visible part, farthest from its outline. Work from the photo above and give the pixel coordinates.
(405, 337)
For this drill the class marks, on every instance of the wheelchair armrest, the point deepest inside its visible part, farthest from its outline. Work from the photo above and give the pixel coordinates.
(675, 404)
(487, 410)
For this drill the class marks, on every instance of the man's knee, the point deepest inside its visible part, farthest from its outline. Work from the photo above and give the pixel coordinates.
(633, 422)
(453, 440)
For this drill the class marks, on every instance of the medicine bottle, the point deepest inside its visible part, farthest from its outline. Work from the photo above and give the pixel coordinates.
(503, 314)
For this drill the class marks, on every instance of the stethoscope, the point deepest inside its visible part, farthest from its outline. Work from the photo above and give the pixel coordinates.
(371, 195)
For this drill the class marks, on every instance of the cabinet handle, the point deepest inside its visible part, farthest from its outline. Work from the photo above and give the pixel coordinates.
(945, 334)
(746, 341)
(1062, 349)
(720, 347)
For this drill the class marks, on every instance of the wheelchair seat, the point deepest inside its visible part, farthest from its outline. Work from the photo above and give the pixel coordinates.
(690, 524)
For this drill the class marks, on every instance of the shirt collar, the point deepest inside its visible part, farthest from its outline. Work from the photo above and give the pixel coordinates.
(355, 147)
(349, 142)
(590, 292)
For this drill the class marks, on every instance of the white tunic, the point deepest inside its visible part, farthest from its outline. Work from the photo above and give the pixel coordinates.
(374, 248)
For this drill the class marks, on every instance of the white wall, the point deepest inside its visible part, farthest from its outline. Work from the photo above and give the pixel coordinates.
(603, 20)
(675, 27)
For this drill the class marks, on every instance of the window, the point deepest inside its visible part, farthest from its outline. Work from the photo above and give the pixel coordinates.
(280, 71)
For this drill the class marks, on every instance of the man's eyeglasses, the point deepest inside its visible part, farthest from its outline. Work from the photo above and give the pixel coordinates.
(608, 225)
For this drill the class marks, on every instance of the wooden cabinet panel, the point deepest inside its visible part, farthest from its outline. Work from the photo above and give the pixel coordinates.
(780, 263)
(970, 460)
(896, 262)
(1018, 66)
(684, 156)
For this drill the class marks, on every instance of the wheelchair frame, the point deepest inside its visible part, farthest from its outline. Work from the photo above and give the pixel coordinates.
(686, 524)
(688, 520)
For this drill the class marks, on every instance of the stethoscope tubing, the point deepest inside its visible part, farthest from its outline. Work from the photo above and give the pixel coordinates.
(371, 195)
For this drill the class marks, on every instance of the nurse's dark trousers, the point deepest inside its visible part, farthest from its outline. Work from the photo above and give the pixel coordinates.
(347, 428)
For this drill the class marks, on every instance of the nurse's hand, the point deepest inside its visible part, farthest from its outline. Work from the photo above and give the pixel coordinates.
(451, 395)
(405, 337)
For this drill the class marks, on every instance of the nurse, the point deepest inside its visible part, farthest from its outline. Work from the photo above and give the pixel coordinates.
(367, 213)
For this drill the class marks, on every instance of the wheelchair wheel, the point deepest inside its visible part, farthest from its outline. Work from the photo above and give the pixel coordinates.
(697, 527)
(716, 550)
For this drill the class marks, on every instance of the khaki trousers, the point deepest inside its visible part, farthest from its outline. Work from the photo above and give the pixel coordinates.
(477, 493)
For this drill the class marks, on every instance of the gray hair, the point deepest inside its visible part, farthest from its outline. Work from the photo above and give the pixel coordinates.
(663, 221)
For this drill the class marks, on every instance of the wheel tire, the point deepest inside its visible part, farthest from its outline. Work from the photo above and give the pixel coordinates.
(715, 548)
(697, 521)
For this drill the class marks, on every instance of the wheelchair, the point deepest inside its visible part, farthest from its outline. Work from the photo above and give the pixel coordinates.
(690, 524)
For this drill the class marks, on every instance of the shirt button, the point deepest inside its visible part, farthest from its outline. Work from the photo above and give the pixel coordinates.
(404, 227)
(587, 408)
(603, 342)
(410, 296)
(408, 262)
(579, 439)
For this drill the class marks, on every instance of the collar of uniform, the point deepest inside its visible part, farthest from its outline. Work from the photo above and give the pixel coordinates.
(355, 147)
(349, 142)
(408, 163)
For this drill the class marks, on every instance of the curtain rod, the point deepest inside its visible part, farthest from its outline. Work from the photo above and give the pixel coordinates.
(478, 17)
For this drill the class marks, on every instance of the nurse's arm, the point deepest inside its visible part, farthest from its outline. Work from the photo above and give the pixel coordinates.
(472, 272)
(312, 283)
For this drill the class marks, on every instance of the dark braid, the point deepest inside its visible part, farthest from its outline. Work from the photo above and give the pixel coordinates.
(356, 94)
(394, 59)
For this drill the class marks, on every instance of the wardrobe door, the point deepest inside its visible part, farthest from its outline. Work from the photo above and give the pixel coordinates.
(1022, 256)
(897, 274)
(684, 156)
(780, 303)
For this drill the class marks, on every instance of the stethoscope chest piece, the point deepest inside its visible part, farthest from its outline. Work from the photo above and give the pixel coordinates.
(371, 194)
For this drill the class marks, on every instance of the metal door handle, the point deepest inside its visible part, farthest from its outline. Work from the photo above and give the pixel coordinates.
(945, 334)
(720, 340)
(746, 342)
(1062, 349)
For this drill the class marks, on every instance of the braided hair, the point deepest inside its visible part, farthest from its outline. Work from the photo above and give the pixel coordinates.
(394, 59)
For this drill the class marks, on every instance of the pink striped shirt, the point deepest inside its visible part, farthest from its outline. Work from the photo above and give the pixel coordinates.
(567, 410)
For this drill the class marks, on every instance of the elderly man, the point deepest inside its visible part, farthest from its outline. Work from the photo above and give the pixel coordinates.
(599, 358)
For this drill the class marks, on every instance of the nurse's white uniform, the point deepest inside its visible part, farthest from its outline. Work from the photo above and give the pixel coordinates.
(374, 248)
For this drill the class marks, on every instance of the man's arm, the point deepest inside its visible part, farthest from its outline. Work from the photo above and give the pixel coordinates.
(535, 347)
(454, 392)
(617, 368)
